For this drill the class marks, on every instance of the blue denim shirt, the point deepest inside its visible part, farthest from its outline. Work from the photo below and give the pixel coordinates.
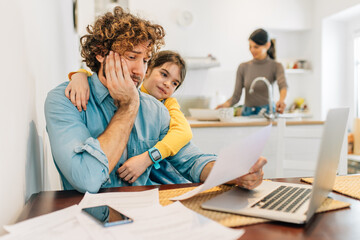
(77, 154)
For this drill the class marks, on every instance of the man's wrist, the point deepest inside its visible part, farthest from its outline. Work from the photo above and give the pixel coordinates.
(129, 110)
(129, 104)
(206, 171)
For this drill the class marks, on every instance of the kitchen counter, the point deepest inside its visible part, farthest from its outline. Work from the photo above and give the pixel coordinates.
(291, 150)
(251, 122)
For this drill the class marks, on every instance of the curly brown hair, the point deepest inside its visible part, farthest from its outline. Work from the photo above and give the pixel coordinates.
(119, 32)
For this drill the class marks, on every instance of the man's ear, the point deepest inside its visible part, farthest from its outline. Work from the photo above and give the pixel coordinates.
(100, 58)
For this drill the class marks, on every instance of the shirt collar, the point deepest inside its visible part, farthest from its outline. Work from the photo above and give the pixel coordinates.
(143, 89)
(99, 90)
(262, 60)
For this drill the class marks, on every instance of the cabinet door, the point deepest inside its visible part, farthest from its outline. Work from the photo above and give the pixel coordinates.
(291, 151)
(213, 139)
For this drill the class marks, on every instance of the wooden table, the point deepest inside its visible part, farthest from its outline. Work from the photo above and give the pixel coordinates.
(340, 224)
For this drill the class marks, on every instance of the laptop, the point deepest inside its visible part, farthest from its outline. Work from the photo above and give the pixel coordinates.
(286, 202)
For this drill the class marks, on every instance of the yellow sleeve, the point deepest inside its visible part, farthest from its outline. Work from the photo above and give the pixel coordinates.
(179, 133)
(79, 71)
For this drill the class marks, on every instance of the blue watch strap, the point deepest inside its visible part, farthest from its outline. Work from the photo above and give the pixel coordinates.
(155, 156)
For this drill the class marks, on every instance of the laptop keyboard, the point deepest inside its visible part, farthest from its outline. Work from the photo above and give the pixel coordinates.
(284, 199)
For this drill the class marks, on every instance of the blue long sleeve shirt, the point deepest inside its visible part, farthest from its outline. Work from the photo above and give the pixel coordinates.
(77, 154)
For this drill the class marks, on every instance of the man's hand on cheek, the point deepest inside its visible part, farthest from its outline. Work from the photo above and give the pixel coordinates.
(253, 178)
(119, 82)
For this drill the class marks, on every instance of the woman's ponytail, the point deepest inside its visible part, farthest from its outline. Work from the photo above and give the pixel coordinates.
(261, 37)
(271, 51)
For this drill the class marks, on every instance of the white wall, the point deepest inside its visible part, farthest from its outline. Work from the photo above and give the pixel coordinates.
(325, 19)
(37, 49)
(333, 64)
(222, 28)
(353, 28)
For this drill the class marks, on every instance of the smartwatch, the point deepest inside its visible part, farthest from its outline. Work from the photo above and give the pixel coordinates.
(155, 156)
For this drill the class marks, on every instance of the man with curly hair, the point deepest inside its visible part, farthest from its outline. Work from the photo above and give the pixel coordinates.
(120, 121)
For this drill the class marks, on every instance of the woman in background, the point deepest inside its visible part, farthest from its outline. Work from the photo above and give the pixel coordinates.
(263, 64)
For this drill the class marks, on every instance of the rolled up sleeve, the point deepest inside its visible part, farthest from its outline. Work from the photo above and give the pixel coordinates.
(76, 153)
(190, 161)
(280, 77)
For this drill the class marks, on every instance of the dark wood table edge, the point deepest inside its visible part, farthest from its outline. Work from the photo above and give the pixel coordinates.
(76, 196)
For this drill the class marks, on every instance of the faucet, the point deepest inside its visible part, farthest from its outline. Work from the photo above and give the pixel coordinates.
(271, 114)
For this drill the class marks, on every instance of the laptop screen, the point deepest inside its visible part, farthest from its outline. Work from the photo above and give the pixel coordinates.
(329, 156)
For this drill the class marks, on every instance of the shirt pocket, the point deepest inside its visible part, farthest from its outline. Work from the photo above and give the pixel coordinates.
(139, 147)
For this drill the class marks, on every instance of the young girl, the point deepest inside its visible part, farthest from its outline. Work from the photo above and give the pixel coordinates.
(166, 72)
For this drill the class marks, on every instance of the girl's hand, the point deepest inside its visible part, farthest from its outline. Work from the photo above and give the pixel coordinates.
(78, 91)
(134, 167)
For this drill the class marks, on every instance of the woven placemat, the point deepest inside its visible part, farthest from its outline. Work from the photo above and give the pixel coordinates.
(228, 219)
(347, 185)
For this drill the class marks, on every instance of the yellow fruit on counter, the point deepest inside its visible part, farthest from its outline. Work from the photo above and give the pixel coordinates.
(299, 102)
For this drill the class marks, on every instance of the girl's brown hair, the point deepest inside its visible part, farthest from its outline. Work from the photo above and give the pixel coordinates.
(119, 31)
(167, 56)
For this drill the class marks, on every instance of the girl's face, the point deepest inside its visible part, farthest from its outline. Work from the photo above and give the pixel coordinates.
(162, 81)
(259, 52)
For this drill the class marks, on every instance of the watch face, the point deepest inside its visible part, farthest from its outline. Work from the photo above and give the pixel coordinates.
(156, 154)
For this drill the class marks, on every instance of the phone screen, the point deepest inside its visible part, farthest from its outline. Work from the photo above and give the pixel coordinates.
(107, 215)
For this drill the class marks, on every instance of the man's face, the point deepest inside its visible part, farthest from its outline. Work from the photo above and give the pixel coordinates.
(137, 61)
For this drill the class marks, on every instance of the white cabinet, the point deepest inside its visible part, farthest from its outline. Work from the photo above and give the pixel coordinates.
(291, 150)
(201, 62)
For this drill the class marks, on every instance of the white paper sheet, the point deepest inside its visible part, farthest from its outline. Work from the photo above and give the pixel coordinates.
(118, 200)
(233, 161)
(45, 221)
(122, 201)
(173, 222)
(70, 229)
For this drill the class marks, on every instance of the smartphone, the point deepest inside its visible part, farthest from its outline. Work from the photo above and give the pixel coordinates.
(107, 216)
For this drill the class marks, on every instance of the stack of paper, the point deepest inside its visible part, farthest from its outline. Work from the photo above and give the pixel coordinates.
(151, 221)
(233, 161)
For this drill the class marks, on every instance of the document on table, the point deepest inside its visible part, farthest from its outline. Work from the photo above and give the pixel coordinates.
(45, 221)
(122, 201)
(233, 161)
(174, 221)
(72, 228)
(61, 224)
